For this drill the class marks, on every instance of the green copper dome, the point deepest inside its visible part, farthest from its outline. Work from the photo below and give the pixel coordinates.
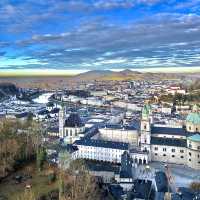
(193, 118)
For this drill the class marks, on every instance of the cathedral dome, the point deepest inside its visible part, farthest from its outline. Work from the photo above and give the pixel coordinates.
(193, 118)
(73, 121)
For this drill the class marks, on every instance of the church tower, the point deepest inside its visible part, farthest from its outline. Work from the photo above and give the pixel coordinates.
(193, 120)
(62, 117)
(145, 128)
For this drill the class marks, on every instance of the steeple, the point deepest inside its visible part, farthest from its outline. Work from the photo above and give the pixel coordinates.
(145, 128)
(62, 116)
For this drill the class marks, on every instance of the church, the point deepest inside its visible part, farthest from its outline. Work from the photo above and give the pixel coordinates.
(70, 128)
(169, 144)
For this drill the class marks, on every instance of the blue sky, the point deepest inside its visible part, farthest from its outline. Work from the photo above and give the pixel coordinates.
(99, 34)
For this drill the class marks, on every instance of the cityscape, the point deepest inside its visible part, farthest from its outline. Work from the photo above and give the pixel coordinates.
(99, 100)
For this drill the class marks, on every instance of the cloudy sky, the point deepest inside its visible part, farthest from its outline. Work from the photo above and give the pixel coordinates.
(99, 34)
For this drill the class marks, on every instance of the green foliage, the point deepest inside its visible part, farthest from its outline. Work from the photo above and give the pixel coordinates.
(52, 177)
(15, 148)
(41, 158)
(195, 186)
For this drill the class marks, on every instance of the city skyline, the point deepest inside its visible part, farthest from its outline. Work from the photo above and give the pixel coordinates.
(77, 36)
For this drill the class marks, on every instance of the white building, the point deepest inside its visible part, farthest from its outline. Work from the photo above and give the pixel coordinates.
(100, 150)
(119, 134)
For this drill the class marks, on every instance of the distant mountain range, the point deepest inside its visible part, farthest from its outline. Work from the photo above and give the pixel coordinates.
(96, 75)
(102, 75)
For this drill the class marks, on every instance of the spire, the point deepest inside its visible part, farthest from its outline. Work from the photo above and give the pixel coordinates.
(146, 111)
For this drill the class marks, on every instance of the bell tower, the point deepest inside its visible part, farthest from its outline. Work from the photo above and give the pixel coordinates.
(62, 117)
(145, 128)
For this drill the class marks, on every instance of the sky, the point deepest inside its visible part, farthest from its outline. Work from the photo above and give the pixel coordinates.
(81, 35)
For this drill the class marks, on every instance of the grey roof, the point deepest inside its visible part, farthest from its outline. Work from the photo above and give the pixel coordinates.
(168, 142)
(118, 126)
(53, 130)
(161, 181)
(185, 194)
(141, 189)
(73, 121)
(104, 144)
(126, 165)
(168, 130)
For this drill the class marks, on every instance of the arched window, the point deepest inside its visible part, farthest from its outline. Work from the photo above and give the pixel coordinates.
(66, 133)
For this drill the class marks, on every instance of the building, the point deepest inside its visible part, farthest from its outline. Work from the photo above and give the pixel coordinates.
(118, 133)
(72, 128)
(169, 144)
(100, 150)
(175, 145)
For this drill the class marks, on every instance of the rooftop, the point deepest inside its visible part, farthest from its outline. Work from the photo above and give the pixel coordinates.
(168, 142)
(194, 118)
(103, 144)
(195, 138)
(168, 131)
(73, 121)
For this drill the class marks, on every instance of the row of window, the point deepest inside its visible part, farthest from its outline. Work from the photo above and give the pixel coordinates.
(190, 154)
(172, 150)
(173, 156)
(190, 128)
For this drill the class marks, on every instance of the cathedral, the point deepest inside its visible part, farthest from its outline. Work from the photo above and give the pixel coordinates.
(152, 142)
(169, 144)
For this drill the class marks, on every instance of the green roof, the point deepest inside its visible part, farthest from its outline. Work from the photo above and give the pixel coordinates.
(195, 138)
(146, 111)
(193, 118)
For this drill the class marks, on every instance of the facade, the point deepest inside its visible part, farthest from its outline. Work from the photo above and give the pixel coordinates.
(177, 145)
(119, 134)
(100, 150)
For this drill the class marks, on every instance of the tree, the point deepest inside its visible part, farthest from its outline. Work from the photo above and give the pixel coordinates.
(41, 157)
(195, 186)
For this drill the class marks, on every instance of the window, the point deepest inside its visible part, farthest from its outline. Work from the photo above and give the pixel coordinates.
(156, 148)
(198, 156)
(189, 127)
(190, 146)
(182, 157)
(189, 159)
(190, 154)
(164, 154)
(145, 127)
(173, 150)
(164, 149)
(181, 151)
(173, 156)
(66, 133)
(156, 154)
(198, 147)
